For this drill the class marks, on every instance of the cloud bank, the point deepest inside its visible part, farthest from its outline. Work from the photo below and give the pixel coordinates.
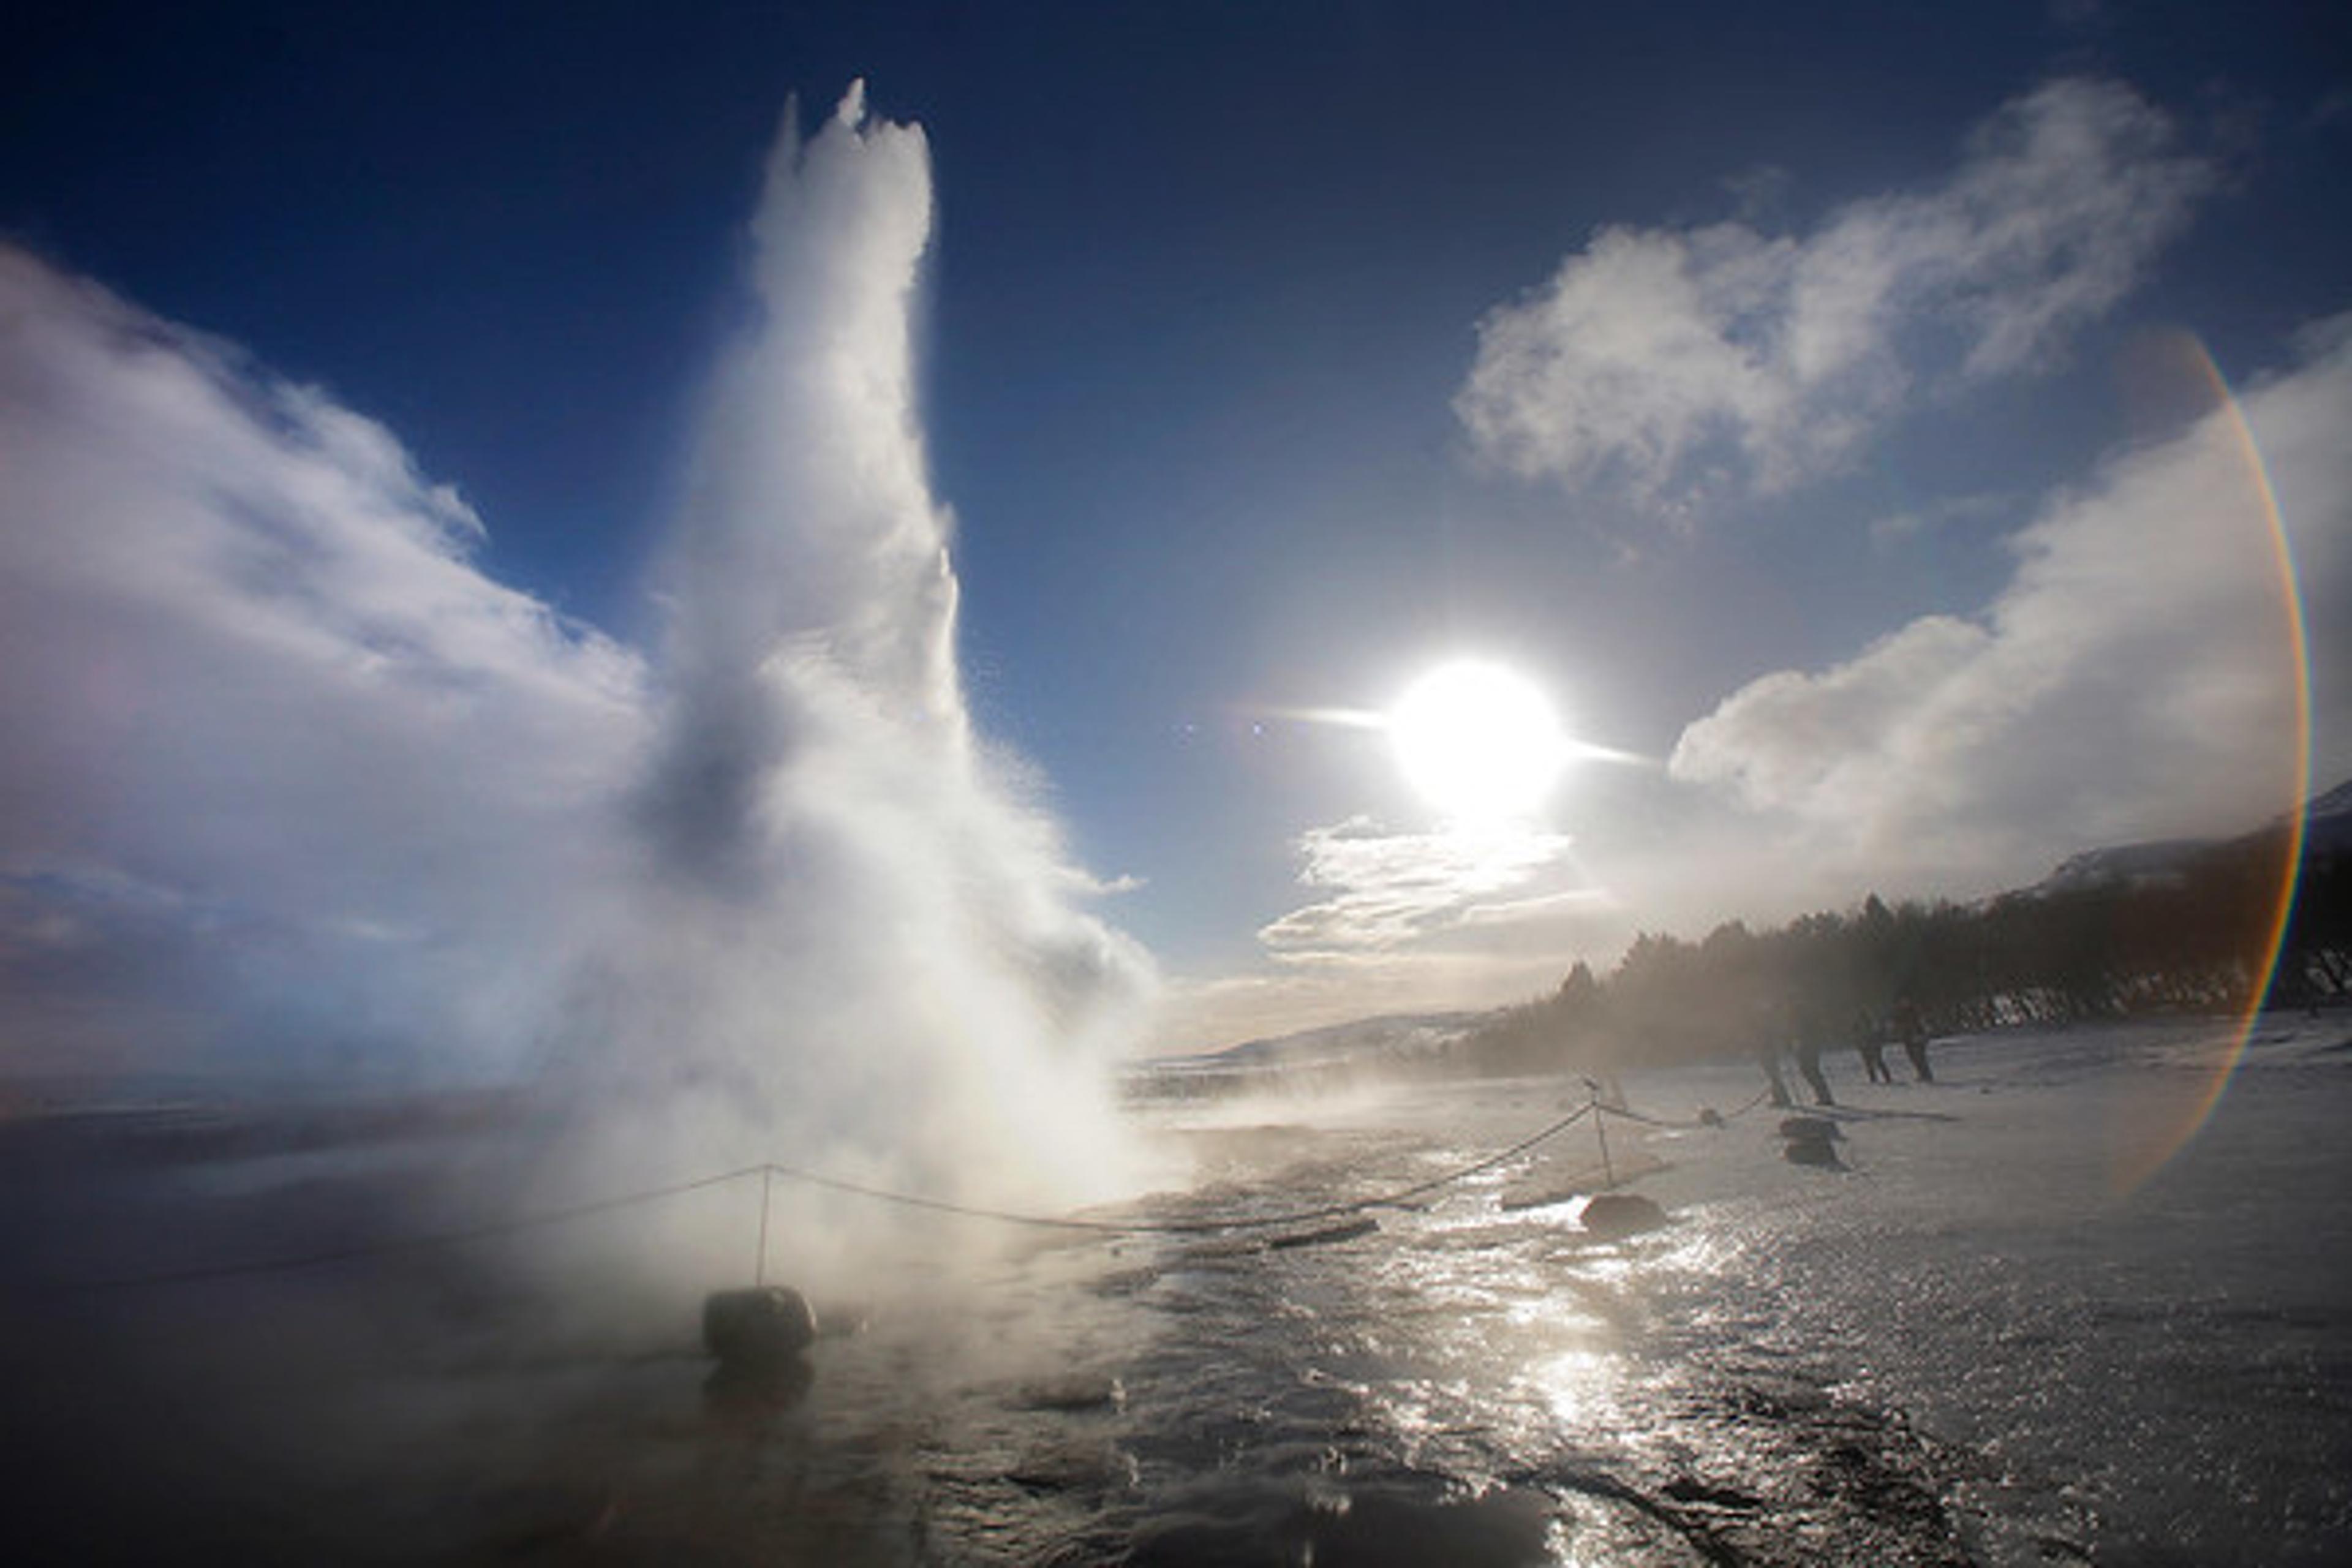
(1686, 363)
(1405, 921)
(1391, 891)
(283, 764)
(2134, 678)
(291, 784)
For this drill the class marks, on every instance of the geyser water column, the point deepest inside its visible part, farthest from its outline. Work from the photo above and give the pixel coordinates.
(853, 946)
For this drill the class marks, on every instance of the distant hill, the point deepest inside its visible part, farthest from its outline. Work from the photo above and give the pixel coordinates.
(1397, 1035)
(2328, 821)
(1323, 1055)
(2157, 860)
(2326, 829)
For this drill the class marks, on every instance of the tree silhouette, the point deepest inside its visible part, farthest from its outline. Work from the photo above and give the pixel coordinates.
(2191, 935)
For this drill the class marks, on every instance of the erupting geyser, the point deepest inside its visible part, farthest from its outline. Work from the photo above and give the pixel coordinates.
(849, 945)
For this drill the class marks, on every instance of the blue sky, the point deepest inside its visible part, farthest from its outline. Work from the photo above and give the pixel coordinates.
(1749, 378)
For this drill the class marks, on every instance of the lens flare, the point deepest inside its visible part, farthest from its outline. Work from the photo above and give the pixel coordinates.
(2149, 1135)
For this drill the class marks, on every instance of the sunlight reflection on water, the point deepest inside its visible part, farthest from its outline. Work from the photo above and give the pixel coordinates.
(1953, 1350)
(1573, 1385)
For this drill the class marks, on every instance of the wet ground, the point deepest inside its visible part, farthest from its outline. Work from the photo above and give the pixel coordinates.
(1954, 1344)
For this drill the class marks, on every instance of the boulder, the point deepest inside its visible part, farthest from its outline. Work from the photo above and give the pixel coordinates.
(1620, 1214)
(1817, 1128)
(763, 1327)
(1812, 1151)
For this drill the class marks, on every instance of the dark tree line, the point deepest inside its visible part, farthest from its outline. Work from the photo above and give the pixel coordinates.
(2195, 938)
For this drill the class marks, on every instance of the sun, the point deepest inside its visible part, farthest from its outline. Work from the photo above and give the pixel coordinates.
(1479, 742)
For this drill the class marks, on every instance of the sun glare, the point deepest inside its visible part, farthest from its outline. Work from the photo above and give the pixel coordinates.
(1478, 742)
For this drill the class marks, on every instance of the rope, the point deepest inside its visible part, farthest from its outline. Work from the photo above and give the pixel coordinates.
(766, 1169)
(1488, 1164)
(1191, 1227)
(1691, 1125)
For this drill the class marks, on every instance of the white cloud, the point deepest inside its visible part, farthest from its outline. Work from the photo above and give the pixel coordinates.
(2132, 679)
(1679, 364)
(1392, 892)
(1407, 923)
(250, 666)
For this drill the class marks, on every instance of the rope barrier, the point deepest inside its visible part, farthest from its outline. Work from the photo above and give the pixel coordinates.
(1210, 1226)
(1215, 1225)
(1647, 1121)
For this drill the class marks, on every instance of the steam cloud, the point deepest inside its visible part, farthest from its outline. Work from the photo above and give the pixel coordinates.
(289, 780)
(839, 889)
(1678, 363)
(2134, 678)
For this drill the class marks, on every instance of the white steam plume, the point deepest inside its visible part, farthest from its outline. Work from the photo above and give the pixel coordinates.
(848, 937)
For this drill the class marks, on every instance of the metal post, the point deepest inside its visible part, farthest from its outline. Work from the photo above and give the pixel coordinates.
(760, 1268)
(1600, 1130)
